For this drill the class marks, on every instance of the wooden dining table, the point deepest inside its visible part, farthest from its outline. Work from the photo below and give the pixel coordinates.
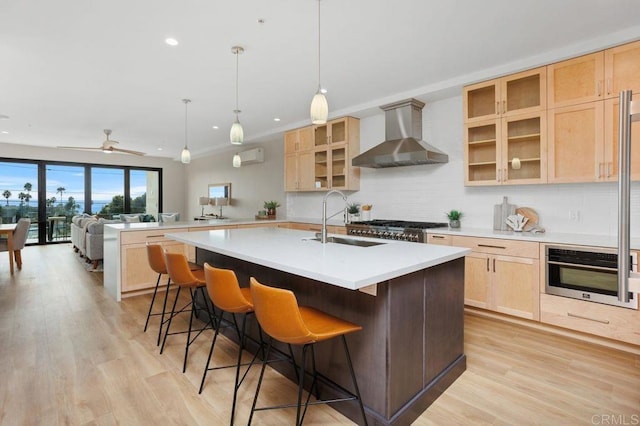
(7, 229)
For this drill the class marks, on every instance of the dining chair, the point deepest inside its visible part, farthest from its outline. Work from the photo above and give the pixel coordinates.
(19, 240)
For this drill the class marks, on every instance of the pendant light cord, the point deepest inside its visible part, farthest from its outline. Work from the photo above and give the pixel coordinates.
(186, 115)
(237, 79)
(319, 81)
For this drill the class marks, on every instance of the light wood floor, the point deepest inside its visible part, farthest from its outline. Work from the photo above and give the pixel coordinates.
(71, 355)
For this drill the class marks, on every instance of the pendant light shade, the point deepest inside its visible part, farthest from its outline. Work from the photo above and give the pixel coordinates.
(319, 109)
(185, 156)
(236, 135)
(237, 161)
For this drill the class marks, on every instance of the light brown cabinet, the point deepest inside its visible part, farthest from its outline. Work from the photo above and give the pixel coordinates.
(583, 143)
(502, 275)
(325, 163)
(511, 150)
(519, 93)
(298, 140)
(439, 239)
(594, 318)
(593, 77)
(505, 130)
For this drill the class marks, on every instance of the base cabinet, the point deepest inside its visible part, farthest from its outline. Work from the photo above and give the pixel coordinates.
(502, 275)
(594, 318)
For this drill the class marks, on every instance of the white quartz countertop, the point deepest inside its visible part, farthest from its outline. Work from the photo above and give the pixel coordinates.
(138, 226)
(342, 265)
(547, 237)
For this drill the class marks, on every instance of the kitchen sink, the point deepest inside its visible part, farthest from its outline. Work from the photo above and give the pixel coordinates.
(349, 241)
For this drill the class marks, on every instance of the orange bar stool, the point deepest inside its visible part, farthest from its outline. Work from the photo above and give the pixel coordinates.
(184, 278)
(155, 257)
(227, 295)
(282, 319)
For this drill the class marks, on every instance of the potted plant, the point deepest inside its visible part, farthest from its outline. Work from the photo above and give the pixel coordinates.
(353, 212)
(454, 218)
(271, 206)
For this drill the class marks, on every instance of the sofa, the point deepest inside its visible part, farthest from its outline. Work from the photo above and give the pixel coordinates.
(87, 233)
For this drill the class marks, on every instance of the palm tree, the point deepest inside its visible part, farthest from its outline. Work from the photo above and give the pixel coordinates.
(7, 194)
(61, 190)
(27, 187)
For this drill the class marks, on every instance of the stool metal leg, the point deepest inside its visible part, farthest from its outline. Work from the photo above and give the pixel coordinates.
(153, 299)
(173, 310)
(164, 310)
(353, 377)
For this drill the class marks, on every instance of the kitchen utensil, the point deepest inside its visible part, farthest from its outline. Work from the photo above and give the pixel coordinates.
(500, 214)
(516, 222)
(530, 214)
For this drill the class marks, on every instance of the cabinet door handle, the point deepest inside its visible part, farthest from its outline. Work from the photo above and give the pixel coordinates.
(609, 165)
(297, 146)
(155, 236)
(569, 314)
(491, 246)
(599, 88)
(498, 175)
(487, 264)
(497, 107)
(504, 175)
(608, 86)
(494, 264)
(598, 170)
(441, 237)
(504, 107)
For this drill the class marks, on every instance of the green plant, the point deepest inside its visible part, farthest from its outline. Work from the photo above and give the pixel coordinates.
(454, 215)
(271, 204)
(353, 208)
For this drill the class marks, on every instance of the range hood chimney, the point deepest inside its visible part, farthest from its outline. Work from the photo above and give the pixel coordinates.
(403, 145)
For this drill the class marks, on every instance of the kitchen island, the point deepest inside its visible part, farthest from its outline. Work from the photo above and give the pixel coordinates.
(408, 297)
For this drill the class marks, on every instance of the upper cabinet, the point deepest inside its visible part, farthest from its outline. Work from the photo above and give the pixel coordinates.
(593, 77)
(325, 161)
(298, 140)
(553, 124)
(515, 94)
(505, 130)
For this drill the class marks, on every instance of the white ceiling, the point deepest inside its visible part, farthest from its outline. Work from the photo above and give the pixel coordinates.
(70, 68)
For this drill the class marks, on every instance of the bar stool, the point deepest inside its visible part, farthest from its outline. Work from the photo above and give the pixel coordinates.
(182, 276)
(155, 256)
(282, 319)
(225, 293)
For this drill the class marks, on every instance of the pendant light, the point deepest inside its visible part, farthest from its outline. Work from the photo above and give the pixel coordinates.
(185, 157)
(319, 108)
(236, 134)
(237, 161)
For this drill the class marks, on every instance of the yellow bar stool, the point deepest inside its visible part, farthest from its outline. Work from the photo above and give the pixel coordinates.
(155, 257)
(282, 319)
(182, 276)
(227, 295)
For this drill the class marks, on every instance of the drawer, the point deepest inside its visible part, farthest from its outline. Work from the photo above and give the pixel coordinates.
(588, 317)
(497, 246)
(212, 228)
(154, 235)
(259, 225)
(440, 239)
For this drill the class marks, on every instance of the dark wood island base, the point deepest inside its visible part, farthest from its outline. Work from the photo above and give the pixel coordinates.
(411, 346)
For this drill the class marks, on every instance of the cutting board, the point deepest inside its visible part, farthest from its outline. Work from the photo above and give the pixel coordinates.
(500, 214)
(530, 214)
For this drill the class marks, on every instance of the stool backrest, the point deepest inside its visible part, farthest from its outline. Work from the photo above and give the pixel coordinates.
(278, 313)
(224, 290)
(178, 268)
(20, 233)
(155, 255)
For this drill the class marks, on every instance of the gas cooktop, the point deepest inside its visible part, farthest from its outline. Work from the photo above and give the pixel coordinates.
(401, 224)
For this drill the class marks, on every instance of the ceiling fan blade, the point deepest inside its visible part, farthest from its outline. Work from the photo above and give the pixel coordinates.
(81, 148)
(126, 151)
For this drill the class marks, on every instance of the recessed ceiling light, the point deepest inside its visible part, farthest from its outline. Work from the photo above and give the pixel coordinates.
(4, 132)
(171, 41)
(159, 149)
(4, 117)
(215, 127)
(276, 119)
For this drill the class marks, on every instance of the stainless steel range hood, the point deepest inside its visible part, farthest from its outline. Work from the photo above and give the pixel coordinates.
(403, 145)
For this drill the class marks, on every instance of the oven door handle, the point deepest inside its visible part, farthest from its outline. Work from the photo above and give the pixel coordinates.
(599, 268)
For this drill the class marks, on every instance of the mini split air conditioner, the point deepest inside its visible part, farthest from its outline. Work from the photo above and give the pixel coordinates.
(252, 156)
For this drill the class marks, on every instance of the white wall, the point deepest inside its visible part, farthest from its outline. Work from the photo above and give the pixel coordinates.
(251, 185)
(172, 171)
(425, 192)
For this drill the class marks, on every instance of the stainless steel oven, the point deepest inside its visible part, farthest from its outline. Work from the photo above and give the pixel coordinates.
(586, 274)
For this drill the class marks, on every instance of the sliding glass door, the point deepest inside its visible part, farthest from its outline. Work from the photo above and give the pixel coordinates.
(19, 189)
(64, 199)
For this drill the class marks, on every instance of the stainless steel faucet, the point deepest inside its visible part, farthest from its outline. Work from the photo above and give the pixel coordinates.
(323, 233)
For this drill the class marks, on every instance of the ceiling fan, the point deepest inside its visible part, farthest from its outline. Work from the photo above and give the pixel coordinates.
(108, 146)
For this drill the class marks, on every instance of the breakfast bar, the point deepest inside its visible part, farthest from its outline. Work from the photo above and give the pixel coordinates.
(409, 299)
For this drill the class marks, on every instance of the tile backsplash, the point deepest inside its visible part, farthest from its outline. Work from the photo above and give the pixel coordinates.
(426, 192)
